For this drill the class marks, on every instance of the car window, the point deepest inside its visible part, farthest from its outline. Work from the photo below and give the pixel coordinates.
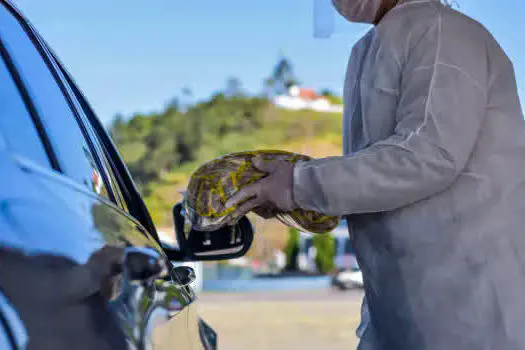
(73, 153)
(115, 187)
(106, 166)
(122, 183)
(16, 126)
(84, 109)
(112, 178)
(102, 152)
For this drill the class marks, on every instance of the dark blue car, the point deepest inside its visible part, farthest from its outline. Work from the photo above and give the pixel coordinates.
(81, 265)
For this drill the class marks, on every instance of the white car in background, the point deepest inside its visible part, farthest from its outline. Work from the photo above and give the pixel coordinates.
(348, 275)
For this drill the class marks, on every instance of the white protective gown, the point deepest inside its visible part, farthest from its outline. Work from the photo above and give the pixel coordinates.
(432, 183)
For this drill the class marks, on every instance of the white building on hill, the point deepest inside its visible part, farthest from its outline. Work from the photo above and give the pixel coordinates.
(302, 98)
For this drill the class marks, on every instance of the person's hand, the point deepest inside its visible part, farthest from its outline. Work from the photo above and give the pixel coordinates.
(275, 191)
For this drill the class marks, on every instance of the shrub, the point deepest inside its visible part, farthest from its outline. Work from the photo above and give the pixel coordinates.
(325, 247)
(292, 250)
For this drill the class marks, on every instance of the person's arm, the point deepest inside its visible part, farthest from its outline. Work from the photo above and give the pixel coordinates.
(441, 109)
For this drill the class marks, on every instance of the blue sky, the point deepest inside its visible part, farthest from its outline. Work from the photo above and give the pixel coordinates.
(135, 55)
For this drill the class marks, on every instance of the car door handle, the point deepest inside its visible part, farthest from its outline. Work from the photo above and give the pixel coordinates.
(144, 264)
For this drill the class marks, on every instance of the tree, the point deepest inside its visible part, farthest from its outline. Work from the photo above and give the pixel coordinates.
(117, 128)
(187, 98)
(233, 87)
(282, 77)
(325, 252)
(332, 97)
(173, 104)
(292, 250)
(156, 143)
(186, 91)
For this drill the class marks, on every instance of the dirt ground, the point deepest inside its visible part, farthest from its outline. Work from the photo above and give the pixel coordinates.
(306, 320)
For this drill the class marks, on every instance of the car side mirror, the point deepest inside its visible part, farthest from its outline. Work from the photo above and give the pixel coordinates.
(229, 242)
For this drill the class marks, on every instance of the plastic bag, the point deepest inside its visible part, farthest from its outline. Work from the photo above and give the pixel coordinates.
(215, 181)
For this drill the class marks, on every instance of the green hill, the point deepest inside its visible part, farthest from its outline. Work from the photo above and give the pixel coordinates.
(163, 149)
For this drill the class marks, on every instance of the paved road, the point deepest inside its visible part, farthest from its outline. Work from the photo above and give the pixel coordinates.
(306, 320)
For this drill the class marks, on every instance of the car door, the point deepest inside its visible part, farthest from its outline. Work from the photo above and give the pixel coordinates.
(130, 201)
(64, 200)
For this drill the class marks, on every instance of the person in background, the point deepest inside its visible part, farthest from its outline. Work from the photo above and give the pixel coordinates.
(432, 182)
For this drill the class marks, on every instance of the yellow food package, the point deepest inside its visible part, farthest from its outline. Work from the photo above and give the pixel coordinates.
(217, 180)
